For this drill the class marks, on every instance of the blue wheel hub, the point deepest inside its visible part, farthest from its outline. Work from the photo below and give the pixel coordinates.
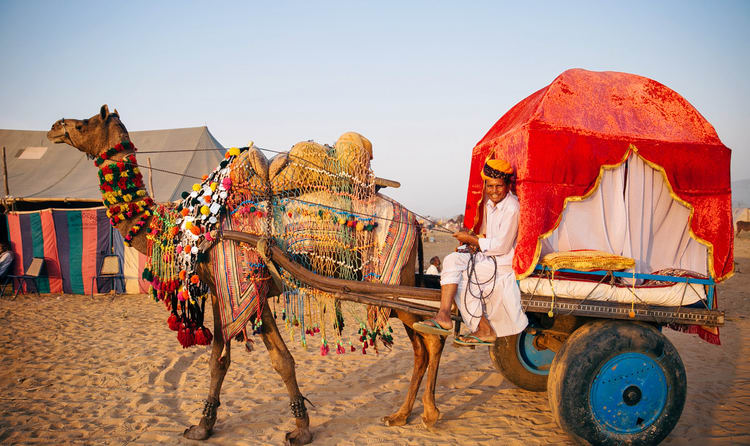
(534, 360)
(628, 393)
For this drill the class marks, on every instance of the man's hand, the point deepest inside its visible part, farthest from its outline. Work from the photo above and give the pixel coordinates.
(466, 238)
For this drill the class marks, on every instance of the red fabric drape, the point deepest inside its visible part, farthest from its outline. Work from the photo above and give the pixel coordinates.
(558, 138)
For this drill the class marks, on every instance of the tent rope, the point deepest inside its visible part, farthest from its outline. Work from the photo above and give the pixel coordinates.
(438, 227)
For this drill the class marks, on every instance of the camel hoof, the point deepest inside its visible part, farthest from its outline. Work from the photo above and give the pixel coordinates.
(298, 437)
(196, 432)
(394, 420)
(429, 421)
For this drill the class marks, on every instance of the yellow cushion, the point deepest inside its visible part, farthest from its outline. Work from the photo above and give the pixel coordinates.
(587, 260)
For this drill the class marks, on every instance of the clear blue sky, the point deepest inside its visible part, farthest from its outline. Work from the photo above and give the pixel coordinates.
(423, 80)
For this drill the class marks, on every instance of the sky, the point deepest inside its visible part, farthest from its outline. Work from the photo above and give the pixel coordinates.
(424, 81)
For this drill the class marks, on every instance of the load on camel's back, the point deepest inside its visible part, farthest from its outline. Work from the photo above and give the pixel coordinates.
(318, 203)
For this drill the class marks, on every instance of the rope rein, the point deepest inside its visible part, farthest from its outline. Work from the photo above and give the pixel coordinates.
(473, 279)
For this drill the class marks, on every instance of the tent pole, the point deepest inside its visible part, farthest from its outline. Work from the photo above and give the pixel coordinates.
(5, 173)
(150, 178)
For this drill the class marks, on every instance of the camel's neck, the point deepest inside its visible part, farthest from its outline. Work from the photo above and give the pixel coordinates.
(123, 193)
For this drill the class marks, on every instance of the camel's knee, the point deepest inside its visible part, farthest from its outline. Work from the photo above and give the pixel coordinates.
(282, 361)
(220, 354)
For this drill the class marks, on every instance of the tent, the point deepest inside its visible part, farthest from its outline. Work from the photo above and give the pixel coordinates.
(562, 138)
(39, 171)
(47, 177)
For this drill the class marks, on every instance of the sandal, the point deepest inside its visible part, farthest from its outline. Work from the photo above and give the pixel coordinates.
(470, 341)
(431, 326)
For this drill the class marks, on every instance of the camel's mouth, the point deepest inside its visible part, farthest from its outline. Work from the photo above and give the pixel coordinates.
(57, 134)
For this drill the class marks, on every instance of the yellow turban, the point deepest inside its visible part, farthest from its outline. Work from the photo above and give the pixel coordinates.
(494, 168)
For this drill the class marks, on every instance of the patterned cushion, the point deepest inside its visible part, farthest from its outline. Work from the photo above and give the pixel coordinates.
(674, 272)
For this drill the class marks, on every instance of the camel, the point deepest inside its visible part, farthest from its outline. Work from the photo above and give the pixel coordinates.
(94, 137)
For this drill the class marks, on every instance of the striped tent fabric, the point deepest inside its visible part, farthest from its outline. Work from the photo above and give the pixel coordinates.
(73, 243)
(32, 235)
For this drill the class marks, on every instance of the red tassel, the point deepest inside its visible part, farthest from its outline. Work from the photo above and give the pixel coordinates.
(173, 323)
(364, 351)
(181, 336)
(203, 336)
(199, 338)
(186, 337)
(353, 349)
(189, 338)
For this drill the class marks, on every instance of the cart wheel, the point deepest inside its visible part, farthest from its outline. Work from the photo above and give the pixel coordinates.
(519, 358)
(617, 382)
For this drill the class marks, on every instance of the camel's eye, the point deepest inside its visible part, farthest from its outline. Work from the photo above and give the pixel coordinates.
(79, 126)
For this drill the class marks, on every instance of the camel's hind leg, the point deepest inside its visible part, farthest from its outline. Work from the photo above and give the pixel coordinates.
(283, 363)
(434, 345)
(420, 366)
(219, 365)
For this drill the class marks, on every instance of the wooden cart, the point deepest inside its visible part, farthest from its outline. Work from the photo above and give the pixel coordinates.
(612, 377)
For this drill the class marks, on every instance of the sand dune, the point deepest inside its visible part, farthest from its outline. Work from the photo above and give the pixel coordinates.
(77, 370)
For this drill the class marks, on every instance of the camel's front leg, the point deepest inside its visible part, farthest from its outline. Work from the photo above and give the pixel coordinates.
(420, 365)
(283, 363)
(219, 366)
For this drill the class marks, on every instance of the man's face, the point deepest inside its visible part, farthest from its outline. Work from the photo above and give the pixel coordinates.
(495, 189)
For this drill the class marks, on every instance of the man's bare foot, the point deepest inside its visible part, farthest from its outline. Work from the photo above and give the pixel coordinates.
(483, 335)
(472, 340)
(444, 321)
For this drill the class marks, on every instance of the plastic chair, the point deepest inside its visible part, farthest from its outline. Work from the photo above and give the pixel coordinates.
(30, 276)
(110, 269)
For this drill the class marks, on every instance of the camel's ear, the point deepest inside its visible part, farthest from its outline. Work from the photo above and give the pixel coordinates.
(116, 113)
(104, 112)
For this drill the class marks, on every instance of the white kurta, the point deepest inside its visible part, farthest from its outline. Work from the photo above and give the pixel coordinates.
(502, 304)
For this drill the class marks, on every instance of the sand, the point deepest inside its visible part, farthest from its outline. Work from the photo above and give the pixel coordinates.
(77, 370)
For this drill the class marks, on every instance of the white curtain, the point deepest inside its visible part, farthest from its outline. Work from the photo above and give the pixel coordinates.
(631, 214)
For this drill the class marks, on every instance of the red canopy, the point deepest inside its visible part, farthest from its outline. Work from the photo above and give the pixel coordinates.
(558, 138)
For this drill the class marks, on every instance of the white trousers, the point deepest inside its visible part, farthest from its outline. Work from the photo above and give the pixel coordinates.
(499, 300)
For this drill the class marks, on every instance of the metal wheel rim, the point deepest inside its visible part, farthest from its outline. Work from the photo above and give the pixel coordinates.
(628, 393)
(533, 360)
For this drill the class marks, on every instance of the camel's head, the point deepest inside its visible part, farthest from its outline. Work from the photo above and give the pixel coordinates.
(91, 136)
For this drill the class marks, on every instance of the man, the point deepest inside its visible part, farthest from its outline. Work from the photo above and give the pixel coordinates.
(6, 259)
(434, 267)
(479, 276)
